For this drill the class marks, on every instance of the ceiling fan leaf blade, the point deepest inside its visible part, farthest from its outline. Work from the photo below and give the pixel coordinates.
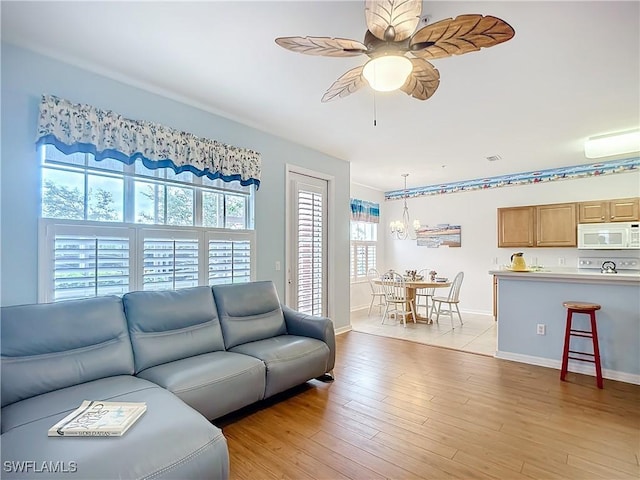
(345, 85)
(464, 34)
(325, 46)
(402, 15)
(423, 81)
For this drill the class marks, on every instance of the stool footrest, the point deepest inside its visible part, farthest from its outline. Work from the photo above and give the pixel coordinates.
(581, 333)
(582, 359)
(582, 353)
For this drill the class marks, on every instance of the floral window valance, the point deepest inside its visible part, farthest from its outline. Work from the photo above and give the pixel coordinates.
(363, 211)
(73, 128)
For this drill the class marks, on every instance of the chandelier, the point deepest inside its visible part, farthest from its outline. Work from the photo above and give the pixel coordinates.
(400, 229)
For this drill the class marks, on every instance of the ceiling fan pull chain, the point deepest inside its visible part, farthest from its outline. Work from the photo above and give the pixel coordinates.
(375, 115)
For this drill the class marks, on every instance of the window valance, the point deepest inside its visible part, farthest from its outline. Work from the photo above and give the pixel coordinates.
(73, 128)
(363, 211)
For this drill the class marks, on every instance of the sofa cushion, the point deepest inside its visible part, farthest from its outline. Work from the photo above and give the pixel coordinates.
(213, 383)
(290, 360)
(66, 399)
(171, 325)
(50, 346)
(249, 312)
(170, 440)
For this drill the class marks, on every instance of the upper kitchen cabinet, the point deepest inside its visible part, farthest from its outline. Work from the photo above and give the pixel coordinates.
(556, 225)
(538, 226)
(516, 227)
(617, 210)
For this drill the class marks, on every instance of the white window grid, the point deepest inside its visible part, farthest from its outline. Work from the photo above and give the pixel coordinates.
(84, 257)
(163, 178)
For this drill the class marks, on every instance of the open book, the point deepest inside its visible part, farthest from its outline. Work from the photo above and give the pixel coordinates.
(99, 419)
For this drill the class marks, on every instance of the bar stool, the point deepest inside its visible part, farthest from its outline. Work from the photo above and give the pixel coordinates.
(589, 309)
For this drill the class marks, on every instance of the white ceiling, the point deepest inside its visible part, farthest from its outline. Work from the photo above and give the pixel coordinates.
(571, 71)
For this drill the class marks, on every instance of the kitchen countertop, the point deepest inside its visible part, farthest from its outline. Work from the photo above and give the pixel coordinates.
(572, 274)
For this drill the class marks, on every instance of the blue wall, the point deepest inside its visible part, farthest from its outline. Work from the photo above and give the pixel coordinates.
(525, 302)
(27, 75)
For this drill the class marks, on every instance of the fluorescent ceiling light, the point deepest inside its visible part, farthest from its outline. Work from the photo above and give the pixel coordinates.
(612, 144)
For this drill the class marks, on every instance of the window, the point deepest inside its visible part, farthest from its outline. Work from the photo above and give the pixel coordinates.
(86, 264)
(169, 262)
(108, 228)
(229, 261)
(364, 237)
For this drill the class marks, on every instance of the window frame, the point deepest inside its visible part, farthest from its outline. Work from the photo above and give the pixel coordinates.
(48, 228)
(355, 244)
(130, 175)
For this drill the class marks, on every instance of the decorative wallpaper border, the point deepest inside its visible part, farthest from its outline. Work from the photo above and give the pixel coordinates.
(563, 173)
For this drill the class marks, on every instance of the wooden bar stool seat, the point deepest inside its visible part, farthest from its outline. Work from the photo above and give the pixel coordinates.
(588, 309)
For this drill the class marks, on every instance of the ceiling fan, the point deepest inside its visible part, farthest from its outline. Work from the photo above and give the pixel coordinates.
(398, 54)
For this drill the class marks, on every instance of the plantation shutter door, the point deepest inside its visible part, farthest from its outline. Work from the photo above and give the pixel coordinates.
(308, 279)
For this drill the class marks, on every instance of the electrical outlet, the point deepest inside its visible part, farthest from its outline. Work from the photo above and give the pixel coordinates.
(541, 329)
(561, 261)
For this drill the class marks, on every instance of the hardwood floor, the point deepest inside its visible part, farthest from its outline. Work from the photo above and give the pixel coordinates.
(405, 410)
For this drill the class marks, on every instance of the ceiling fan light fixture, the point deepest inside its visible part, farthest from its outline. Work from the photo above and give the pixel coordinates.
(387, 72)
(398, 50)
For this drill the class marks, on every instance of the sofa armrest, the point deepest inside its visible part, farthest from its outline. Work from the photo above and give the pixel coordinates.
(320, 328)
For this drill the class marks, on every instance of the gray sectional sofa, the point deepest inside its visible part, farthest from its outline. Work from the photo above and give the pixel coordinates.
(192, 355)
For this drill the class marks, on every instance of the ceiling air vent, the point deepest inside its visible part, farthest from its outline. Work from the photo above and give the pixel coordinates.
(494, 158)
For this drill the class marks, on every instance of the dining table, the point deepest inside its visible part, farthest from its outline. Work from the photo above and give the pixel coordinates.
(411, 286)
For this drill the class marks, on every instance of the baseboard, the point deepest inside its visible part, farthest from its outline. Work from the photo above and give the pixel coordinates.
(477, 312)
(342, 330)
(474, 312)
(573, 367)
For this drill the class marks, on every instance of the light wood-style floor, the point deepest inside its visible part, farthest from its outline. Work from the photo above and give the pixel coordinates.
(404, 410)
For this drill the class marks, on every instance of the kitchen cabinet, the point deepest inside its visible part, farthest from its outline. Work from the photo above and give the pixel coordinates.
(538, 226)
(616, 210)
(516, 227)
(556, 225)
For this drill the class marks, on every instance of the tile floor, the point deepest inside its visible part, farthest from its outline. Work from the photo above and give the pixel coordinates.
(477, 334)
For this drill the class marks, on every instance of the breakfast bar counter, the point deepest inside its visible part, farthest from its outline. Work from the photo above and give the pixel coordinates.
(571, 274)
(527, 300)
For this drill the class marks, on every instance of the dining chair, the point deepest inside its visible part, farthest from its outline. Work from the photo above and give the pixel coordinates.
(451, 300)
(427, 293)
(395, 294)
(376, 290)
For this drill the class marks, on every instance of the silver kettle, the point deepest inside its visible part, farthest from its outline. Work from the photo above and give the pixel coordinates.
(608, 267)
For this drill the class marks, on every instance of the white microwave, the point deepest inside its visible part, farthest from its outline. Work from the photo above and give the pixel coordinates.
(612, 236)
